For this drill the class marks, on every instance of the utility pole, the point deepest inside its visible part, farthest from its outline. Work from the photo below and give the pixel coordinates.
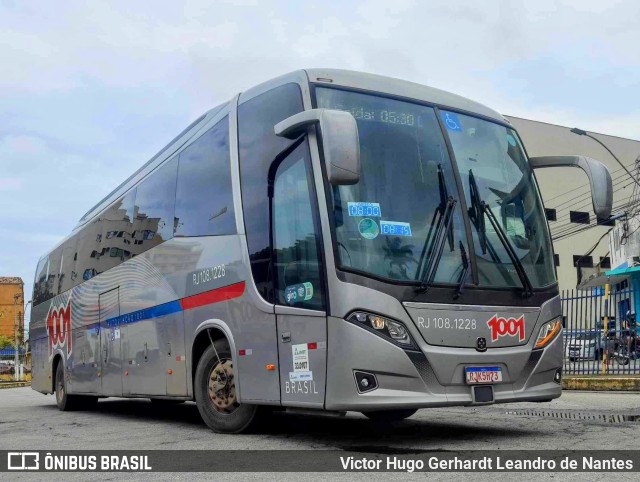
(16, 297)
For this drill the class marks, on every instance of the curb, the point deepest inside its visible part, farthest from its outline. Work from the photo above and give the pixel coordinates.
(14, 384)
(602, 383)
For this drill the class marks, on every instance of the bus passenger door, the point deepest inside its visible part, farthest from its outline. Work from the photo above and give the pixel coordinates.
(110, 343)
(299, 282)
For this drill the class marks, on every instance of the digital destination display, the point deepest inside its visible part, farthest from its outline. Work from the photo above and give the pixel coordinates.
(381, 115)
(393, 228)
(364, 209)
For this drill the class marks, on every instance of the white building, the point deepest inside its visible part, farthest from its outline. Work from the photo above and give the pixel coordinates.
(567, 197)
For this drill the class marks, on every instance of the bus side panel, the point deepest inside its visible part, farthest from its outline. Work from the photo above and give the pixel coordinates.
(253, 330)
(165, 294)
(40, 367)
(86, 363)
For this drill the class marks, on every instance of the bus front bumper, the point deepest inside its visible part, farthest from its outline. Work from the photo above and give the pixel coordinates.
(433, 377)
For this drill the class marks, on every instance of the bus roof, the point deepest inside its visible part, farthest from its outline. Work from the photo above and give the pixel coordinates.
(335, 77)
(401, 88)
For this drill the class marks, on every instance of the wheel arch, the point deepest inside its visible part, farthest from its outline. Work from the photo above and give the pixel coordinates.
(207, 331)
(56, 360)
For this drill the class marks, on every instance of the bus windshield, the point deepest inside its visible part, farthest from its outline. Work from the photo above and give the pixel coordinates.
(385, 223)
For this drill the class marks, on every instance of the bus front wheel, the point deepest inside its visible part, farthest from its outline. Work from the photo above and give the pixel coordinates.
(215, 392)
(389, 415)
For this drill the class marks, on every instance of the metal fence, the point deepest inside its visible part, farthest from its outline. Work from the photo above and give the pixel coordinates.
(10, 371)
(590, 347)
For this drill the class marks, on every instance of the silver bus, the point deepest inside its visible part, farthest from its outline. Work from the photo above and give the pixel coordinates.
(328, 240)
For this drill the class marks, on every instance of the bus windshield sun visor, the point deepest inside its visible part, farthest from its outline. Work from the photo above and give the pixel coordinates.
(477, 211)
(434, 245)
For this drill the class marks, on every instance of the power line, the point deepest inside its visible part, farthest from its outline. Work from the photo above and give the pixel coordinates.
(568, 216)
(580, 187)
(571, 228)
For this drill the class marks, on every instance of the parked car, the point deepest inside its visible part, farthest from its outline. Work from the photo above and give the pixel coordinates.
(7, 367)
(586, 346)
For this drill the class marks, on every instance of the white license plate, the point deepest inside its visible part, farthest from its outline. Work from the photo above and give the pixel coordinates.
(483, 374)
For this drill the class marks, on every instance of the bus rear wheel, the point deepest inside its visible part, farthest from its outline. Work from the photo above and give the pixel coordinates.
(215, 392)
(389, 415)
(68, 402)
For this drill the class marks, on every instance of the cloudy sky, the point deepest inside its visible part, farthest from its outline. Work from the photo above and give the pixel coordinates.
(90, 90)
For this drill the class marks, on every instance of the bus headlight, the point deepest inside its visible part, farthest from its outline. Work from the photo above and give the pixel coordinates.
(385, 327)
(548, 332)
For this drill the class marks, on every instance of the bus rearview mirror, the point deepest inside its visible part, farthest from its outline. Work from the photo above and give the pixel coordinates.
(597, 172)
(338, 138)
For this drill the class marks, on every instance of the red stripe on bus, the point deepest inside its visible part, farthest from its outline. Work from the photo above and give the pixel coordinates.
(214, 296)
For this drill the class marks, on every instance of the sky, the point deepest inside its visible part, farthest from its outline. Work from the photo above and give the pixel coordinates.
(90, 90)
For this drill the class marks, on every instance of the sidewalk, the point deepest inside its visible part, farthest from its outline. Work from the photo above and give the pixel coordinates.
(602, 382)
(13, 384)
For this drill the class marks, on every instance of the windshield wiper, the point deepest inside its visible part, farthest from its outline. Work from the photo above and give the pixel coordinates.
(476, 213)
(465, 271)
(440, 231)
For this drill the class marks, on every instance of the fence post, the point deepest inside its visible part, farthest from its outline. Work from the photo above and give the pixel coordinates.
(605, 356)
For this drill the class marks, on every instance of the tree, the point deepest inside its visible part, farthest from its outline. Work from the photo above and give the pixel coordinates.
(6, 342)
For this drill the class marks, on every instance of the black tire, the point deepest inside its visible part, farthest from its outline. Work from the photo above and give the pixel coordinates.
(572, 359)
(68, 402)
(236, 417)
(390, 415)
(597, 356)
(622, 358)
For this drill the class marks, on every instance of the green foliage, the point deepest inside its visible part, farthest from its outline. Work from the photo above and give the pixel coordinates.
(6, 342)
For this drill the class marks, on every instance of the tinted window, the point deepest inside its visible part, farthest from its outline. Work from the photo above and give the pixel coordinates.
(296, 234)
(154, 208)
(551, 214)
(89, 245)
(116, 232)
(258, 147)
(54, 272)
(583, 261)
(39, 284)
(579, 217)
(68, 274)
(204, 203)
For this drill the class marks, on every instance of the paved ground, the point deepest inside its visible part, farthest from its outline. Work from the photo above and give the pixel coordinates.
(29, 420)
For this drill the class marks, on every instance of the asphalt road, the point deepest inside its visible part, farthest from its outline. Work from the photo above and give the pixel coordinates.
(578, 420)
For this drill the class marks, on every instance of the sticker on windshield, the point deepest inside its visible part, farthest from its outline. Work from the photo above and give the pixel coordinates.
(368, 228)
(299, 292)
(511, 140)
(393, 228)
(451, 121)
(364, 209)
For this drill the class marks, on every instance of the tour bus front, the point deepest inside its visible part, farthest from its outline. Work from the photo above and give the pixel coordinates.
(445, 289)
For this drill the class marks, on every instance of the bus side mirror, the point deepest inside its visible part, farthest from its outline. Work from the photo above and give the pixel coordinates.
(599, 178)
(338, 134)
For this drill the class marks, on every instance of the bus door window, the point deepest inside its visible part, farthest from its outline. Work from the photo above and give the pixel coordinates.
(298, 273)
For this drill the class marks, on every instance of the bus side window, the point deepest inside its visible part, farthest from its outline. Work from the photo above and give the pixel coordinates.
(39, 284)
(258, 147)
(296, 234)
(204, 203)
(68, 264)
(155, 207)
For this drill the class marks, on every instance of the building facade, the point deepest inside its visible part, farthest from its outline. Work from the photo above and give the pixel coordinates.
(567, 196)
(11, 306)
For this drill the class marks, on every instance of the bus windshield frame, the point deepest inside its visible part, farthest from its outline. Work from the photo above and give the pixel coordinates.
(410, 155)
